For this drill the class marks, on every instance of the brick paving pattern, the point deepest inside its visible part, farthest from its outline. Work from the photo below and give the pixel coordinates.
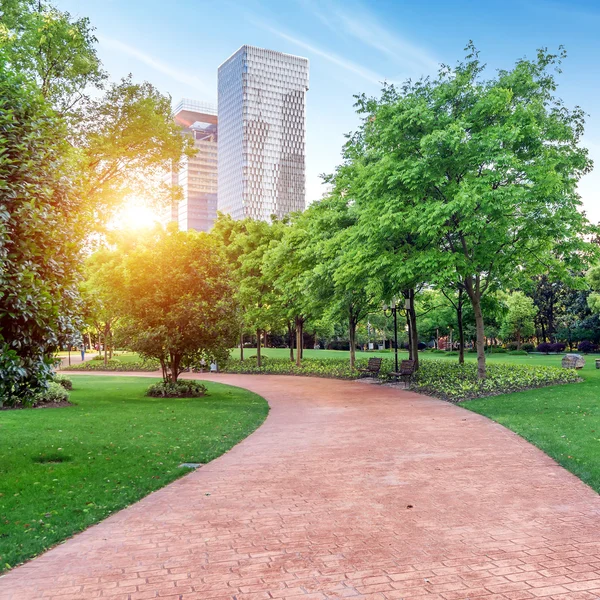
(347, 491)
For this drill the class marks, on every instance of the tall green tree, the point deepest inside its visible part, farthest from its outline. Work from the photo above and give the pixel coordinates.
(41, 229)
(485, 172)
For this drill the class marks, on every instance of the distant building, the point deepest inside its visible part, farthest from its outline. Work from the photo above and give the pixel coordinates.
(262, 133)
(197, 175)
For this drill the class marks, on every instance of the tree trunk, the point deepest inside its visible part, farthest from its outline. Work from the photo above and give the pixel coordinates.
(461, 334)
(175, 362)
(411, 321)
(258, 357)
(290, 340)
(518, 339)
(106, 330)
(111, 344)
(352, 337)
(474, 293)
(241, 344)
(299, 323)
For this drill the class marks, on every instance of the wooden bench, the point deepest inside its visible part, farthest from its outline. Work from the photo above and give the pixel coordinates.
(372, 369)
(407, 370)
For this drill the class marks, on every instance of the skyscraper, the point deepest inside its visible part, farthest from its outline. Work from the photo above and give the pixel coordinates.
(261, 133)
(197, 175)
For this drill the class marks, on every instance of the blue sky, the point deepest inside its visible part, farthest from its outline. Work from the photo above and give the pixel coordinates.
(352, 46)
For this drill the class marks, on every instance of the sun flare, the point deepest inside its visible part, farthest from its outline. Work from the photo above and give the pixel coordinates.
(136, 215)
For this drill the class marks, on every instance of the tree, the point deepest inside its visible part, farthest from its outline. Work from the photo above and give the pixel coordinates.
(51, 49)
(484, 172)
(593, 278)
(176, 300)
(41, 231)
(518, 320)
(246, 243)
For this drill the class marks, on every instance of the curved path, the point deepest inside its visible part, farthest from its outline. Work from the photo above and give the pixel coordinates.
(347, 490)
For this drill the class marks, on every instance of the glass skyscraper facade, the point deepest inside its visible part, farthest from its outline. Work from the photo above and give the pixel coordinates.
(262, 133)
(197, 175)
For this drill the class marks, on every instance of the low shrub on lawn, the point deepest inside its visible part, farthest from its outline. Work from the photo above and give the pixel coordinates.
(54, 394)
(183, 388)
(440, 378)
(316, 367)
(454, 382)
(115, 364)
(63, 380)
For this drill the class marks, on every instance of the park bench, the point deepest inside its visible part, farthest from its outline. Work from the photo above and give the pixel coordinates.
(372, 369)
(407, 370)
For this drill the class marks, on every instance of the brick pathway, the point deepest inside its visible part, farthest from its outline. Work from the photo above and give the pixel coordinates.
(347, 491)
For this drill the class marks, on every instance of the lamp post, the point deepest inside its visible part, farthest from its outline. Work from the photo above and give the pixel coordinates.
(393, 310)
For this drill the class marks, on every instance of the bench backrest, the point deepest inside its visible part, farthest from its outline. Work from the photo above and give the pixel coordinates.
(374, 364)
(407, 367)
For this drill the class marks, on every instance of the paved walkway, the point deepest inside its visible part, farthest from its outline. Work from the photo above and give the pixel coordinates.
(347, 490)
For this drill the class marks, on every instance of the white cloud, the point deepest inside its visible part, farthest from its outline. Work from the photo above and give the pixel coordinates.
(348, 65)
(355, 20)
(173, 72)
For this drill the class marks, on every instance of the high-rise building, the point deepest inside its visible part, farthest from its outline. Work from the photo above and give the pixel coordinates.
(196, 175)
(261, 133)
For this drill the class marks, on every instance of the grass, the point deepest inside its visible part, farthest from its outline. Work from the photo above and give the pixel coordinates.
(563, 421)
(61, 470)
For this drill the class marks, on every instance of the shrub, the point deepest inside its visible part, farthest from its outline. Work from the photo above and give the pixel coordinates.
(184, 388)
(450, 381)
(116, 365)
(338, 345)
(558, 347)
(585, 346)
(63, 380)
(497, 350)
(518, 353)
(55, 393)
(544, 347)
(422, 346)
(528, 347)
(512, 346)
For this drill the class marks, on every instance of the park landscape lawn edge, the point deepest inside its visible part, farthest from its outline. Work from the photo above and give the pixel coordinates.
(215, 388)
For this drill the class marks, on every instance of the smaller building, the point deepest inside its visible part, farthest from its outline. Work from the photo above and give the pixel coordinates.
(197, 175)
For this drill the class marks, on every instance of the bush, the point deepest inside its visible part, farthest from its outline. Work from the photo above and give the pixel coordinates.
(558, 347)
(512, 346)
(544, 347)
(451, 381)
(338, 345)
(63, 380)
(55, 393)
(497, 350)
(184, 388)
(528, 347)
(116, 365)
(422, 346)
(518, 353)
(585, 346)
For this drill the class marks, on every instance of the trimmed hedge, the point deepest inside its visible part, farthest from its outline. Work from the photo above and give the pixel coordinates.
(440, 378)
(115, 364)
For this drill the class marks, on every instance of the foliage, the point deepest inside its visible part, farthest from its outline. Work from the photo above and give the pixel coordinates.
(456, 383)
(184, 388)
(518, 320)
(40, 236)
(586, 346)
(338, 368)
(528, 347)
(63, 380)
(114, 364)
(76, 466)
(518, 352)
(54, 393)
(174, 293)
(544, 347)
(557, 347)
(477, 176)
(52, 49)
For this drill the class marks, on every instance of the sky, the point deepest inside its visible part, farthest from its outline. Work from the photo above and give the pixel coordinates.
(352, 46)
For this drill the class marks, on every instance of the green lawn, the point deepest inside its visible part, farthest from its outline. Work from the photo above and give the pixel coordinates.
(115, 446)
(563, 421)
